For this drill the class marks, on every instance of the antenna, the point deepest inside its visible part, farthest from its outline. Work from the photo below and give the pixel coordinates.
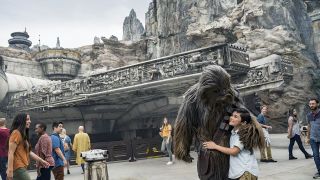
(58, 43)
(39, 43)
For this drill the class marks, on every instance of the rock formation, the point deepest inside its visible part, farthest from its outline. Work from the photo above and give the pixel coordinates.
(112, 53)
(176, 26)
(312, 5)
(15, 53)
(96, 40)
(268, 27)
(132, 28)
(113, 38)
(36, 48)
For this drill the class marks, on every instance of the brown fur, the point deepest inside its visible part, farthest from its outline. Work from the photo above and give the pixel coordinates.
(204, 107)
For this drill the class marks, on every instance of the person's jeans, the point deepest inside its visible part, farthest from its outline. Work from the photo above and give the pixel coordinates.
(3, 167)
(167, 145)
(299, 142)
(45, 173)
(315, 150)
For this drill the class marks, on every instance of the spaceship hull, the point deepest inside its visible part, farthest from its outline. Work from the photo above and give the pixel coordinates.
(3, 85)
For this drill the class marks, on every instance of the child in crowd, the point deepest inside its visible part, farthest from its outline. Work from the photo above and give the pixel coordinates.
(246, 135)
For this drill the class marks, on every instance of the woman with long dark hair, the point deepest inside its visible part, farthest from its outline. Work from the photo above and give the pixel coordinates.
(20, 149)
(294, 134)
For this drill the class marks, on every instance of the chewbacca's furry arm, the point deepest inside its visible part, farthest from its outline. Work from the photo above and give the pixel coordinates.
(185, 126)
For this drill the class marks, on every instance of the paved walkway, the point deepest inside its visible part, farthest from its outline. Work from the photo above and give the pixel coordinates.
(156, 169)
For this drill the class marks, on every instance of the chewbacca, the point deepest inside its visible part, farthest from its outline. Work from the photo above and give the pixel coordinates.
(203, 116)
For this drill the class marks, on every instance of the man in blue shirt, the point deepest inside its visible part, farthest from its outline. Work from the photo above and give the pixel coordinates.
(265, 152)
(313, 133)
(58, 152)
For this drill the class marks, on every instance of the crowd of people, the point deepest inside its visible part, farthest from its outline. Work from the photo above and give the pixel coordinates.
(245, 137)
(51, 152)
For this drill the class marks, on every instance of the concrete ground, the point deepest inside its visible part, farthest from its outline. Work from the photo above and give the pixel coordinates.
(156, 169)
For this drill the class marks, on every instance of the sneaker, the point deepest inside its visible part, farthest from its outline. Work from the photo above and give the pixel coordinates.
(308, 156)
(263, 160)
(271, 160)
(292, 158)
(316, 176)
(68, 172)
(169, 163)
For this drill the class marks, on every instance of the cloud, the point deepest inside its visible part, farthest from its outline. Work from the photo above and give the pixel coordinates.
(76, 22)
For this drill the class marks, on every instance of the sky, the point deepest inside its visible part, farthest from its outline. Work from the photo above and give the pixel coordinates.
(75, 22)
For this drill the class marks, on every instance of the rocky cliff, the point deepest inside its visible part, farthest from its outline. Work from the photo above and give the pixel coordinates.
(175, 25)
(111, 53)
(132, 28)
(267, 27)
(15, 53)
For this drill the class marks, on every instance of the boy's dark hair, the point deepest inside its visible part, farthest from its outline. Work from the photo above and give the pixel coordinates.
(61, 122)
(42, 126)
(244, 114)
(262, 106)
(314, 99)
(55, 124)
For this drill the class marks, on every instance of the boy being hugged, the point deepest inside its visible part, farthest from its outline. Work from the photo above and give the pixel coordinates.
(246, 135)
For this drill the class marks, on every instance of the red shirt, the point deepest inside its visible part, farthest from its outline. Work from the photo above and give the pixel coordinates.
(44, 149)
(4, 136)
